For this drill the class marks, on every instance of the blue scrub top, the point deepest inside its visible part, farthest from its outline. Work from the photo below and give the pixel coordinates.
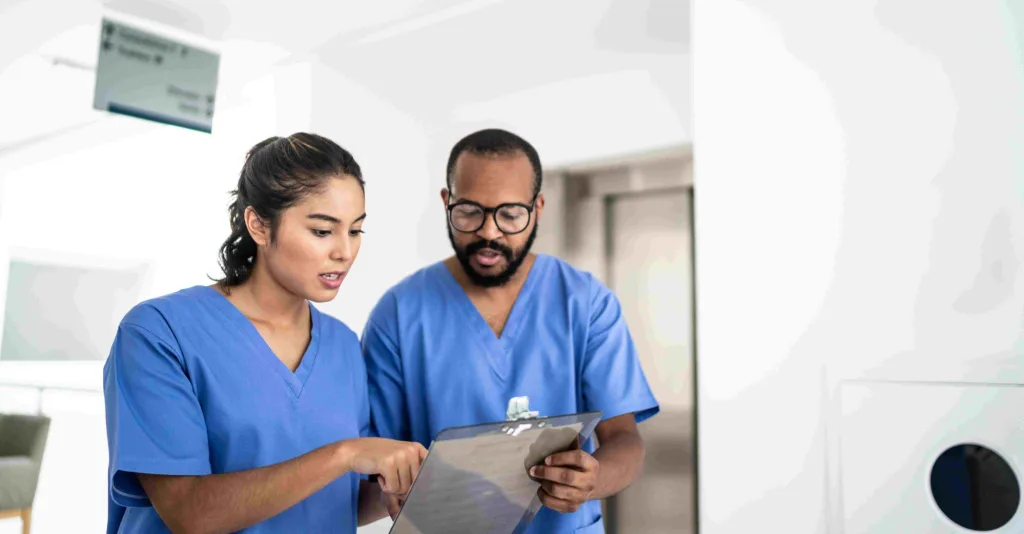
(191, 388)
(433, 362)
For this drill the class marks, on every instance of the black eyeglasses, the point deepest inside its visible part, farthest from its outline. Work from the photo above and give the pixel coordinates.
(511, 218)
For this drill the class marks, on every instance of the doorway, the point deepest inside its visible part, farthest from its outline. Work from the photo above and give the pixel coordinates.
(629, 222)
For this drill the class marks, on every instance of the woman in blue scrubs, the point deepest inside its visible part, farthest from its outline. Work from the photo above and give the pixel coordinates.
(239, 406)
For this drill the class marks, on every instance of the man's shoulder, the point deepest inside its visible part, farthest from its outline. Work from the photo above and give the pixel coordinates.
(415, 285)
(416, 288)
(573, 280)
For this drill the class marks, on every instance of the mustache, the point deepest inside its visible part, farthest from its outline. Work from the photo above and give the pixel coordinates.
(477, 246)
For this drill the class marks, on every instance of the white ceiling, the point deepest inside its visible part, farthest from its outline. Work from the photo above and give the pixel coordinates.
(514, 45)
(430, 58)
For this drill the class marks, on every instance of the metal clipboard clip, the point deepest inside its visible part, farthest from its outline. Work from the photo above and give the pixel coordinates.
(519, 410)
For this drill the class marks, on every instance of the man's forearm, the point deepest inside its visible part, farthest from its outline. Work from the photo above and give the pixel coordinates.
(232, 501)
(622, 458)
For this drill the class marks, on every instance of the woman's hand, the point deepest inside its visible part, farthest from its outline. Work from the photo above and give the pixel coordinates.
(393, 503)
(396, 463)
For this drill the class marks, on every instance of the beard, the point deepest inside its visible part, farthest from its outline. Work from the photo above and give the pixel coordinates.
(514, 259)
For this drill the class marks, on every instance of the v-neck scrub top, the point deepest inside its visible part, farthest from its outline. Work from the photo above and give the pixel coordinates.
(433, 361)
(191, 388)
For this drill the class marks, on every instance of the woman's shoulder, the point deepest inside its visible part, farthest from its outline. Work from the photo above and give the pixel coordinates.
(334, 328)
(158, 313)
(339, 341)
(156, 324)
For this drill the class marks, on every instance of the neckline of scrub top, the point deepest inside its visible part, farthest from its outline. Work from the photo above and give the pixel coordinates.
(294, 380)
(498, 349)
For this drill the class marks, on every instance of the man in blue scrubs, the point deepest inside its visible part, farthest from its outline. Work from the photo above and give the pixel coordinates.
(452, 343)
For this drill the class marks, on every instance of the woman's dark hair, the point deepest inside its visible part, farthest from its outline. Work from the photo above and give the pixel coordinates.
(278, 173)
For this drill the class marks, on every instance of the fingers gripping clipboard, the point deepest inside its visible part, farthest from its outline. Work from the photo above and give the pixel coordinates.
(476, 478)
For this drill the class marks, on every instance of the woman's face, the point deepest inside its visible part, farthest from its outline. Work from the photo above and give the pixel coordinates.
(317, 240)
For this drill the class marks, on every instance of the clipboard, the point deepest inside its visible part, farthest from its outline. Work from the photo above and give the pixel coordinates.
(476, 478)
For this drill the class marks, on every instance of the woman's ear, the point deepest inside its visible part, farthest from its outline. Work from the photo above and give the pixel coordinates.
(259, 231)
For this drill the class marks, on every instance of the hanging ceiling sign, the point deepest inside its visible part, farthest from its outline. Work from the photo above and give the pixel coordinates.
(155, 77)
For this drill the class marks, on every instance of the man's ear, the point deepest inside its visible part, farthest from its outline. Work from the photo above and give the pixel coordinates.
(259, 231)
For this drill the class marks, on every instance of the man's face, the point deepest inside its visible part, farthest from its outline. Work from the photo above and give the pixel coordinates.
(491, 254)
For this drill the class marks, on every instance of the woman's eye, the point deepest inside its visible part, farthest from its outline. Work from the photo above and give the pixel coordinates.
(355, 232)
(321, 233)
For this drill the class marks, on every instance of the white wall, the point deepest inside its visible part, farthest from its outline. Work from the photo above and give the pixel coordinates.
(859, 207)
(620, 113)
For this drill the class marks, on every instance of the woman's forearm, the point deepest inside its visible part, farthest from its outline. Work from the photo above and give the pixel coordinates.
(233, 501)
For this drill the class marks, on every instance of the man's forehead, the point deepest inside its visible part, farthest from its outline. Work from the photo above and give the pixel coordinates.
(493, 174)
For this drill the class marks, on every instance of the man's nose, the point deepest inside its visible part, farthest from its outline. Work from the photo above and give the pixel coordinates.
(489, 230)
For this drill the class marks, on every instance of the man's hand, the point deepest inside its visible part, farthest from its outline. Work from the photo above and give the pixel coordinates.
(568, 479)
